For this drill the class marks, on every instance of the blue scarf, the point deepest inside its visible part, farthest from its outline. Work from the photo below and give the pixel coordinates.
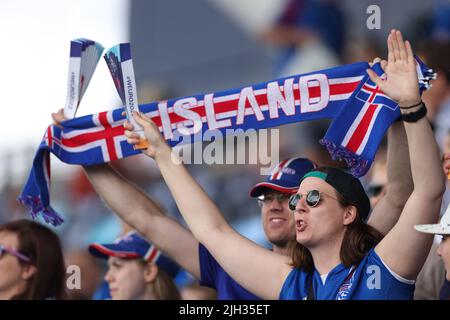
(361, 115)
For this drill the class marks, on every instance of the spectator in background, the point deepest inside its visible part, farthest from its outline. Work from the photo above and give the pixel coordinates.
(31, 262)
(137, 270)
(445, 290)
(431, 282)
(357, 50)
(309, 35)
(430, 279)
(441, 21)
(378, 177)
(446, 164)
(437, 56)
(442, 229)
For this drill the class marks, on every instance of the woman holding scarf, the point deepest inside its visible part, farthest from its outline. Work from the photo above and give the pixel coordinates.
(336, 254)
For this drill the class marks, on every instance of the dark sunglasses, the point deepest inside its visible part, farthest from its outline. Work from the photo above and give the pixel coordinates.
(312, 199)
(15, 253)
(374, 190)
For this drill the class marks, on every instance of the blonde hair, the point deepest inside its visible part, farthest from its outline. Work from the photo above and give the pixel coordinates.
(164, 287)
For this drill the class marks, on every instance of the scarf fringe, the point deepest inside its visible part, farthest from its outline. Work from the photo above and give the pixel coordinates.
(36, 208)
(428, 75)
(357, 165)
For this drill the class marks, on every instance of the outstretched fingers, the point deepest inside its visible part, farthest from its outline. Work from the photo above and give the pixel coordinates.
(391, 58)
(401, 45)
(409, 52)
(395, 46)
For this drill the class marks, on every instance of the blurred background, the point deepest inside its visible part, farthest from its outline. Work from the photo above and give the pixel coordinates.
(185, 48)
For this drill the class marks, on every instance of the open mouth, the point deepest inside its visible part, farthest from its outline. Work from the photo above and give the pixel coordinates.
(300, 225)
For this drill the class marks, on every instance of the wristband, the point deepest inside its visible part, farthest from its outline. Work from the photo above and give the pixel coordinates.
(416, 115)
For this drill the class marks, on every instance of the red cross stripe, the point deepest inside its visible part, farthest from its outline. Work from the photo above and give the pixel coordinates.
(50, 138)
(277, 171)
(361, 130)
(152, 254)
(103, 138)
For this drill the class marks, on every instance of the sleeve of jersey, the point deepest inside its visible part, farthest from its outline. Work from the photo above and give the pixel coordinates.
(380, 276)
(293, 286)
(208, 267)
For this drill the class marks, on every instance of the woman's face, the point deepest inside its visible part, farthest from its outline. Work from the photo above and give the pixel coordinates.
(322, 223)
(444, 252)
(126, 279)
(12, 279)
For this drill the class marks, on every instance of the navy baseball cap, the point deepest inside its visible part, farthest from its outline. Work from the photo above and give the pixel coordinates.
(133, 246)
(285, 177)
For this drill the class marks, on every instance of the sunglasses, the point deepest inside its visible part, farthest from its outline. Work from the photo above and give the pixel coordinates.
(268, 198)
(312, 199)
(374, 190)
(13, 252)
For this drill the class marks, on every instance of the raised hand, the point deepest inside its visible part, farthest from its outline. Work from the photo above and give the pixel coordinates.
(401, 83)
(58, 117)
(154, 137)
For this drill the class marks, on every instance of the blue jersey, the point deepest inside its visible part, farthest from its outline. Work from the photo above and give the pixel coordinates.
(371, 279)
(213, 276)
(102, 292)
(445, 291)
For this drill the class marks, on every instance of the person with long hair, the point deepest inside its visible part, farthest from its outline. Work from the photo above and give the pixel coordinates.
(31, 262)
(342, 258)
